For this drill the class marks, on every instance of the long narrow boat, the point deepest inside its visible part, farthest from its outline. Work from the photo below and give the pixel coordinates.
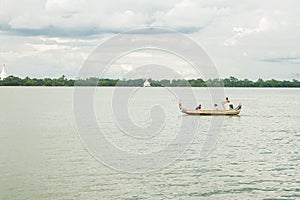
(234, 111)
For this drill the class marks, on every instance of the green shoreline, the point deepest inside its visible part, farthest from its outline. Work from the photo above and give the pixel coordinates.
(104, 82)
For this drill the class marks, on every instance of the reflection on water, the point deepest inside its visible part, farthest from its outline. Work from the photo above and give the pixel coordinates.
(257, 154)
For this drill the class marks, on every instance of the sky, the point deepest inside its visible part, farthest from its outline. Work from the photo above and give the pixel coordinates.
(243, 38)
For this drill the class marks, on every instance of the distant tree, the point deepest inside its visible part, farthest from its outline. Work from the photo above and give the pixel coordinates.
(12, 81)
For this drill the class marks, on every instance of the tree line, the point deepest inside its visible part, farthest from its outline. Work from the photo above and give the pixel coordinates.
(227, 82)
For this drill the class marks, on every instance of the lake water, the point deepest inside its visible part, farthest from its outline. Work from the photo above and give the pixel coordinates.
(42, 156)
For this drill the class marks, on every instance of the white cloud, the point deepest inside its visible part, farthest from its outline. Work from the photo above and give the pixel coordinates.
(53, 37)
(111, 16)
(189, 14)
(126, 68)
(65, 6)
(240, 32)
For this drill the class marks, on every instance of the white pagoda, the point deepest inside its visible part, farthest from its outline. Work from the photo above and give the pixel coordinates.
(147, 83)
(3, 74)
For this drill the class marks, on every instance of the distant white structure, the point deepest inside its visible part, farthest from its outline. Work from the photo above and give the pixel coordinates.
(171, 81)
(147, 83)
(3, 74)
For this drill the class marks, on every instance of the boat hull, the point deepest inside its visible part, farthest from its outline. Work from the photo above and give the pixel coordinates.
(234, 111)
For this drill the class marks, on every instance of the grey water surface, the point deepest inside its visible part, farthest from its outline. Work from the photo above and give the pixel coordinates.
(256, 155)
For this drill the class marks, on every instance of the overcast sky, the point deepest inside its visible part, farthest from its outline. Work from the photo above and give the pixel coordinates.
(244, 38)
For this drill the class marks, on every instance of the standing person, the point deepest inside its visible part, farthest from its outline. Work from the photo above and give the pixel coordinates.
(198, 107)
(227, 102)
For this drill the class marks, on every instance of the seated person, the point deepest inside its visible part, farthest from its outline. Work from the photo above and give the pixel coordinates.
(198, 107)
(216, 107)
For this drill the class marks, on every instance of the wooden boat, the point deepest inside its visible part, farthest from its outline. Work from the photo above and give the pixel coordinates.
(234, 111)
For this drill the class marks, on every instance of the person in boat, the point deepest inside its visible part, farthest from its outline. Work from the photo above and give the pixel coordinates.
(198, 107)
(227, 102)
(216, 107)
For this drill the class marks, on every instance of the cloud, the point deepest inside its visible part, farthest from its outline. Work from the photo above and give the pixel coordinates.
(289, 60)
(126, 68)
(240, 32)
(65, 6)
(53, 37)
(82, 18)
(189, 15)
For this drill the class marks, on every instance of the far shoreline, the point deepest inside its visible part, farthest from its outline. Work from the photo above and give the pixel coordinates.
(230, 82)
(109, 87)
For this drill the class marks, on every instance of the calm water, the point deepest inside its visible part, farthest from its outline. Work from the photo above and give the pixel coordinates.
(256, 157)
